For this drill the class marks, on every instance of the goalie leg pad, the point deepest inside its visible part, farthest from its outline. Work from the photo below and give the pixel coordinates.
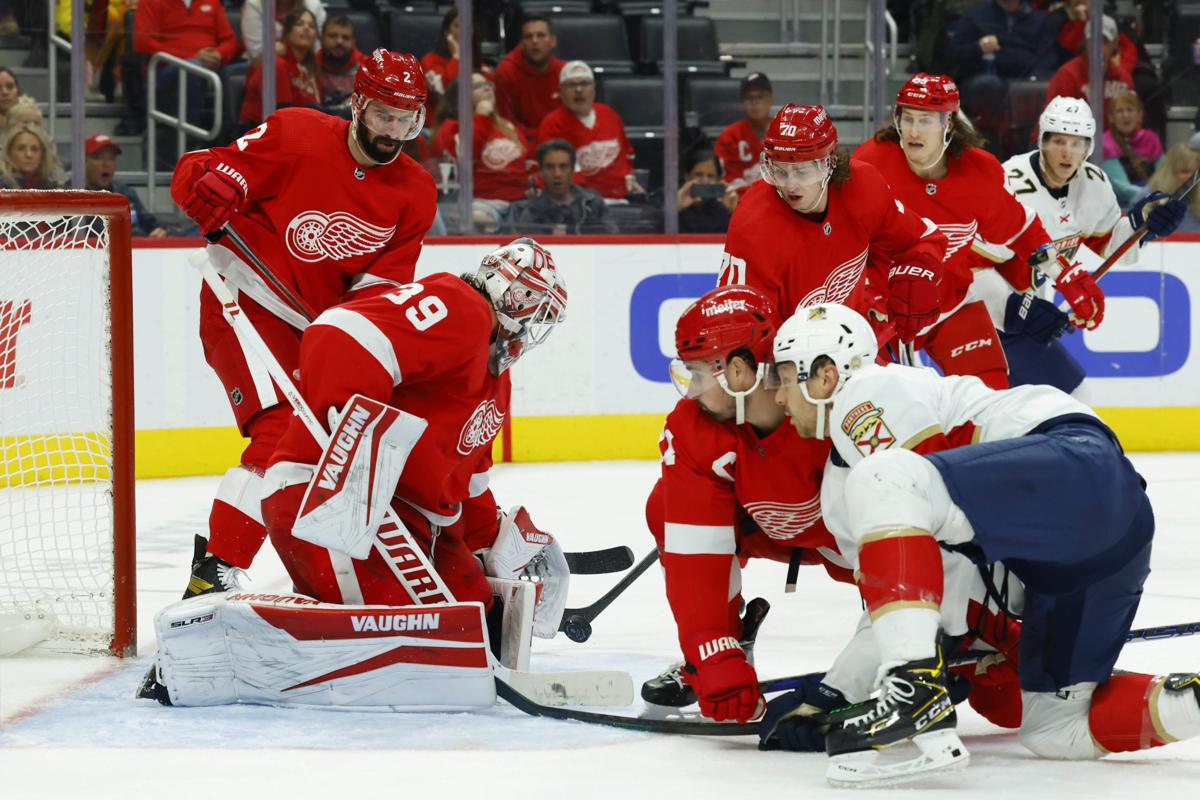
(289, 650)
(356, 477)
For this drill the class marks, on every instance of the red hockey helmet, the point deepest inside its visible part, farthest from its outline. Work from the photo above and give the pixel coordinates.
(800, 133)
(927, 92)
(394, 79)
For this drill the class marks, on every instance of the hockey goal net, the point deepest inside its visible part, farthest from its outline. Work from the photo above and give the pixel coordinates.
(66, 423)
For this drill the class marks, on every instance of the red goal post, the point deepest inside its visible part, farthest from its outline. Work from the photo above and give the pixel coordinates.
(67, 531)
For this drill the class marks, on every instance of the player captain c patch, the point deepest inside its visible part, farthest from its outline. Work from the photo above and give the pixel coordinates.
(865, 426)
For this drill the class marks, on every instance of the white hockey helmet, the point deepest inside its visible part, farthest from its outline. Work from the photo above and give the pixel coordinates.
(825, 329)
(1069, 115)
(528, 295)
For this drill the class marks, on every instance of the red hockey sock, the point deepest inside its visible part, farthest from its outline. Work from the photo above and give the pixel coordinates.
(1123, 715)
(234, 536)
(900, 569)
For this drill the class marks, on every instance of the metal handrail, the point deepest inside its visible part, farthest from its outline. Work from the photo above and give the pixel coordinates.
(180, 123)
(890, 56)
(55, 42)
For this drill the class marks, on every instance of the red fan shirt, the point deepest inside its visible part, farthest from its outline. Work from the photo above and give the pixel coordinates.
(313, 214)
(802, 259)
(525, 94)
(502, 165)
(711, 470)
(423, 348)
(603, 155)
(739, 147)
(971, 200)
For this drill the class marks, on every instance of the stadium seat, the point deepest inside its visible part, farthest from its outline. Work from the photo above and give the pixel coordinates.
(556, 7)
(405, 6)
(234, 15)
(234, 88)
(711, 102)
(367, 35)
(1026, 99)
(597, 39)
(637, 99)
(697, 50)
(413, 33)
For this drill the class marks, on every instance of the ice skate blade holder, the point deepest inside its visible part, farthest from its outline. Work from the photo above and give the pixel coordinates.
(941, 751)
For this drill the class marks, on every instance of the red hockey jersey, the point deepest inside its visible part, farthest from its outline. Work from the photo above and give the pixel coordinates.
(739, 147)
(313, 214)
(802, 259)
(971, 200)
(709, 471)
(603, 156)
(422, 348)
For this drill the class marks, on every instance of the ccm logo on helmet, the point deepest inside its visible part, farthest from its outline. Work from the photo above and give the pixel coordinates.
(911, 269)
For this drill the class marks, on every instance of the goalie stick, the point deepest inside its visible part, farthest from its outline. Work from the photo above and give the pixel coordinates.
(404, 558)
(577, 622)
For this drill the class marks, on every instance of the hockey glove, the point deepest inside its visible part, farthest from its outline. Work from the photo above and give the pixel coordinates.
(913, 299)
(522, 551)
(796, 720)
(1163, 217)
(1084, 296)
(1031, 316)
(725, 683)
(214, 198)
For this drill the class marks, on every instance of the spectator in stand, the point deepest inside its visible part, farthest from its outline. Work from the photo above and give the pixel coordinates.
(561, 206)
(196, 31)
(104, 39)
(1178, 165)
(701, 208)
(99, 171)
(740, 144)
(25, 112)
(502, 154)
(441, 63)
(527, 80)
(29, 160)
(337, 61)
(252, 22)
(10, 90)
(1071, 80)
(1072, 35)
(1131, 151)
(295, 72)
(992, 43)
(8, 21)
(604, 157)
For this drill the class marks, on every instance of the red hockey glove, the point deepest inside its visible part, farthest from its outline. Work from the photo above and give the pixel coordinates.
(1087, 301)
(725, 683)
(215, 197)
(913, 299)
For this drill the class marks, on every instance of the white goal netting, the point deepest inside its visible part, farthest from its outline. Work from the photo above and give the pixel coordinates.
(56, 421)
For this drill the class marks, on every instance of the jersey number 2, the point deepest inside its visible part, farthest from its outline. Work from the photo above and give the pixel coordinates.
(250, 136)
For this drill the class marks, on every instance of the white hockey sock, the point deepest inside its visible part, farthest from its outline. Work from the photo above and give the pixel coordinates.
(906, 634)
(1178, 713)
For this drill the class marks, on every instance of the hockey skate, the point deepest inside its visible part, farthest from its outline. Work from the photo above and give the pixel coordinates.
(211, 574)
(1178, 682)
(914, 704)
(668, 688)
(151, 689)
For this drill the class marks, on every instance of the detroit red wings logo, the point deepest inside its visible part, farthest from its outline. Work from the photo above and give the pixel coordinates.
(596, 156)
(785, 520)
(840, 283)
(957, 236)
(481, 427)
(315, 236)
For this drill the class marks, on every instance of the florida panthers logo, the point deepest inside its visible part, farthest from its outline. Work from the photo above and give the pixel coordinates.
(316, 236)
(785, 520)
(482, 426)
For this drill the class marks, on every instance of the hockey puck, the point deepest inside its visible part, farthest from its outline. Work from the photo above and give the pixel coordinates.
(577, 628)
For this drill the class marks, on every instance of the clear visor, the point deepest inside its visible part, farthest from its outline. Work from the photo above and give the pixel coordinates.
(693, 378)
(786, 175)
(394, 123)
(920, 123)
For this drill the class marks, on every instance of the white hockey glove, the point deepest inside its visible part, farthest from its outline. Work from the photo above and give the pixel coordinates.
(523, 552)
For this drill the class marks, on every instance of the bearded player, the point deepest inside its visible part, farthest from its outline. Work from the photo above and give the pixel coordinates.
(415, 381)
(1079, 210)
(736, 484)
(327, 205)
(806, 233)
(935, 164)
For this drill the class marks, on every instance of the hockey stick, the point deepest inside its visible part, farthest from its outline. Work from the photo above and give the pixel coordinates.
(1141, 232)
(264, 272)
(577, 622)
(600, 562)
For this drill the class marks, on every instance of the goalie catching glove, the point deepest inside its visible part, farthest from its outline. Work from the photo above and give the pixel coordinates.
(524, 552)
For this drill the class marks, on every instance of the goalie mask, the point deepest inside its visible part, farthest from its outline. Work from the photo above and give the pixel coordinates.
(528, 295)
(388, 104)
(728, 321)
(825, 329)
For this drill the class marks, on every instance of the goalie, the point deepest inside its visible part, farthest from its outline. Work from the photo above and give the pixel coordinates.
(413, 379)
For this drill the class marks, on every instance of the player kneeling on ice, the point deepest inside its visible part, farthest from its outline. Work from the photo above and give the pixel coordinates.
(1027, 477)
(413, 380)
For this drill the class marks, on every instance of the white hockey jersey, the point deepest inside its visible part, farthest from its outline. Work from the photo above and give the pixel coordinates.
(1083, 219)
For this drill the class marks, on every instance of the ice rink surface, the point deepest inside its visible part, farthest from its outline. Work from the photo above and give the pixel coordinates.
(69, 726)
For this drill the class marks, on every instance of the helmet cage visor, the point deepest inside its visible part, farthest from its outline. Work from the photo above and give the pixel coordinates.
(527, 311)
